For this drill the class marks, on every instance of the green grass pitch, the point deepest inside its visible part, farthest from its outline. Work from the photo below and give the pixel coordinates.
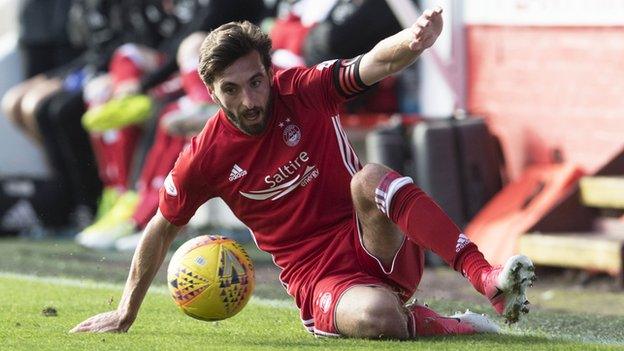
(265, 324)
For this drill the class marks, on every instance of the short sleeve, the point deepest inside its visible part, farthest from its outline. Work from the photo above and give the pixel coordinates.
(329, 83)
(185, 188)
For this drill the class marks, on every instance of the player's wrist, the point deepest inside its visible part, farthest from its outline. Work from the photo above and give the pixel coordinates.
(125, 311)
(126, 318)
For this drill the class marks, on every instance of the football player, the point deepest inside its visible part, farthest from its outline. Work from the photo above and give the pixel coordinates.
(348, 239)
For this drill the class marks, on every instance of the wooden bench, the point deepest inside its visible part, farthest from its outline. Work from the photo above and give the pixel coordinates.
(592, 251)
(603, 192)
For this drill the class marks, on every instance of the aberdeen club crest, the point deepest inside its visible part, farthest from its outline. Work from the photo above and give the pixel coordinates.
(291, 133)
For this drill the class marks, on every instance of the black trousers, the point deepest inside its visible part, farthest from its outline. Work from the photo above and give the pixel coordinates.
(68, 148)
(45, 58)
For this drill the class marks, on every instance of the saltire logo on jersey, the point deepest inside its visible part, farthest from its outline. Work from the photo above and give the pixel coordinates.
(278, 191)
(236, 172)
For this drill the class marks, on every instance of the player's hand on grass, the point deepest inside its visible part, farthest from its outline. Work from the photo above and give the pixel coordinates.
(105, 322)
(426, 29)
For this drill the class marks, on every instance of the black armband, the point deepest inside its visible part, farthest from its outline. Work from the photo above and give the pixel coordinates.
(347, 77)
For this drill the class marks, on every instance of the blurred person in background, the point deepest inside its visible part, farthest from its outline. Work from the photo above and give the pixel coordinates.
(44, 36)
(307, 32)
(177, 121)
(117, 122)
(100, 26)
(43, 107)
(49, 107)
(44, 45)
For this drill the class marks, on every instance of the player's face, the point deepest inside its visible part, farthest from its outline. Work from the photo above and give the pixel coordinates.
(243, 92)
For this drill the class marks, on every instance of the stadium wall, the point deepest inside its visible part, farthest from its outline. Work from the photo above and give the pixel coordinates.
(548, 82)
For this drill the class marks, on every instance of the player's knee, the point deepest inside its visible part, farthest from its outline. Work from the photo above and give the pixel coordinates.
(380, 321)
(11, 103)
(366, 180)
(371, 312)
(31, 102)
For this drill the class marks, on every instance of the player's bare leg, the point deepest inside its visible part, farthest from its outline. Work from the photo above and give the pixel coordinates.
(371, 312)
(380, 236)
(31, 102)
(12, 100)
(376, 188)
(376, 311)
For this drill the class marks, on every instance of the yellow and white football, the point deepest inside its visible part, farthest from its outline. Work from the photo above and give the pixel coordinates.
(210, 277)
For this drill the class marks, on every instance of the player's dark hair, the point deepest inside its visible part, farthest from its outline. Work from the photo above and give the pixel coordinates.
(227, 44)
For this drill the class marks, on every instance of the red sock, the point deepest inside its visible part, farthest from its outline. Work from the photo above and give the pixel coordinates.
(426, 224)
(125, 147)
(158, 163)
(473, 264)
(424, 321)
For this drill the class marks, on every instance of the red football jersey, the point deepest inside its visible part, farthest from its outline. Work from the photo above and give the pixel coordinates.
(289, 185)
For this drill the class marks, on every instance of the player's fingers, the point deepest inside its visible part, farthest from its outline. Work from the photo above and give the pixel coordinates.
(110, 329)
(82, 327)
(428, 13)
(438, 10)
(422, 22)
(102, 329)
(86, 325)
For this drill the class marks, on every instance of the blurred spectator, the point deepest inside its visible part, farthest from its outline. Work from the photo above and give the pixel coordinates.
(44, 35)
(116, 148)
(291, 27)
(189, 17)
(177, 120)
(44, 107)
(346, 29)
(350, 28)
(49, 107)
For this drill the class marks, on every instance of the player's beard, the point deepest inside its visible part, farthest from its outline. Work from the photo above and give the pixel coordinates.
(241, 122)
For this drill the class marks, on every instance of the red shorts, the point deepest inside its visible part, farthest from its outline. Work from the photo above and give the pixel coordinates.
(346, 264)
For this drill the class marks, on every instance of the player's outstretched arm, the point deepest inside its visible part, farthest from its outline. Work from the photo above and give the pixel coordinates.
(398, 51)
(148, 257)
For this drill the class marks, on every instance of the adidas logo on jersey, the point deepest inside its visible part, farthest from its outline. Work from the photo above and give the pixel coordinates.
(236, 173)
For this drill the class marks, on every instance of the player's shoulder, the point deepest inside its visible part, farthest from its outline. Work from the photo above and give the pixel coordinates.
(284, 75)
(325, 65)
(287, 80)
(209, 134)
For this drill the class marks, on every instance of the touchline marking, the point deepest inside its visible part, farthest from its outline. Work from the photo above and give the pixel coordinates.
(161, 290)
